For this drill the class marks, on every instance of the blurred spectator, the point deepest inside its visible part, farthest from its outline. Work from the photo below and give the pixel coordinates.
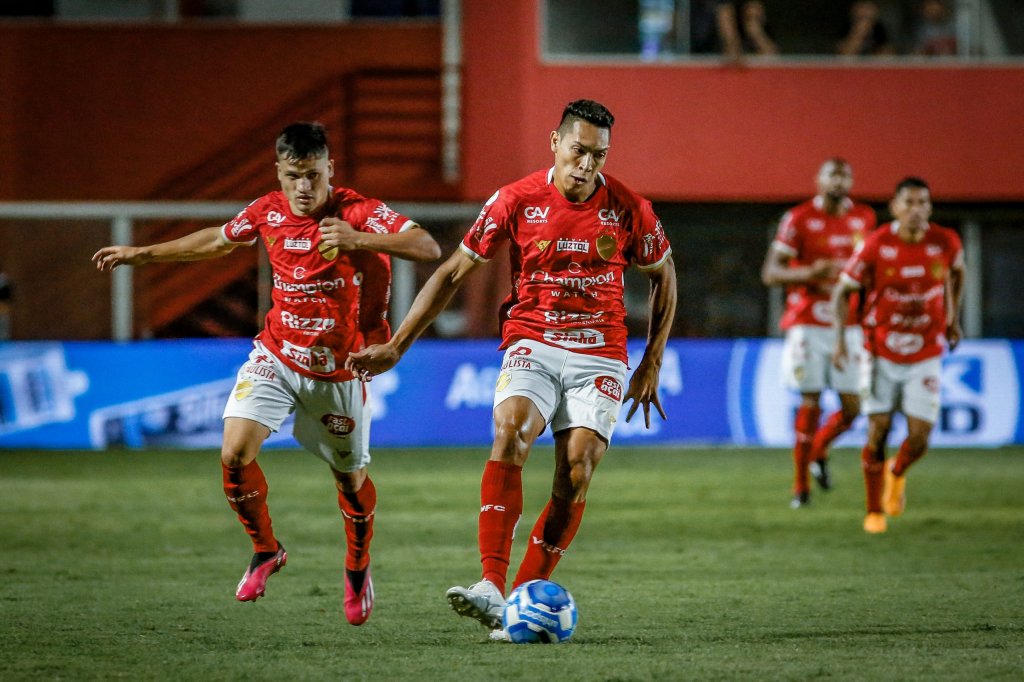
(718, 26)
(866, 35)
(6, 292)
(934, 32)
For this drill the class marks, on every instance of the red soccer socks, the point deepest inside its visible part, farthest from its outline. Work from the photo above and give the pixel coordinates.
(805, 425)
(246, 490)
(836, 425)
(554, 531)
(501, 505)
(358, 509)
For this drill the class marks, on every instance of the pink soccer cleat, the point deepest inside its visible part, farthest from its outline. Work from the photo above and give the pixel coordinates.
(358, 596)
(254, 582)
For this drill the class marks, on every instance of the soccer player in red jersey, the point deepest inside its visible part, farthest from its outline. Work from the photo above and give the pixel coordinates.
(329, 249)
(813, 242)
(571, 233)
(912, 273)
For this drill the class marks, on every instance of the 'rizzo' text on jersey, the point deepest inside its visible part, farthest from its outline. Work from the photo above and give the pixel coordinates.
(568, 260)
(326, 302)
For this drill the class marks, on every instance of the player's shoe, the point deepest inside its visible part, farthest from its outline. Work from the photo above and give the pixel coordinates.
(482, 601)
(358, 596)
(819, 469)
(800, 500)
(263, 565)
(894, 492)
(875, 522)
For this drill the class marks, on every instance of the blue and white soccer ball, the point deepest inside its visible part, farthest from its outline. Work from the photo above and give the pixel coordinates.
(540, 611)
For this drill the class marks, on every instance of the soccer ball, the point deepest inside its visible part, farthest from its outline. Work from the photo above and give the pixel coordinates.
(540, 611)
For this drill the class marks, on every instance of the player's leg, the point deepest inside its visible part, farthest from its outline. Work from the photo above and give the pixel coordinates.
(873, 462)
(583, 424)
(804, 369)
(259, 403)
(357, 499)
(524, 399)
(920, 405)
(577, 454)
(845, 382)
(332, 421)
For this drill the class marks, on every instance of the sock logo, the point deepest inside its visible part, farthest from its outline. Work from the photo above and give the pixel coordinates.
(546, 547)
(493, 507)
(242, 498)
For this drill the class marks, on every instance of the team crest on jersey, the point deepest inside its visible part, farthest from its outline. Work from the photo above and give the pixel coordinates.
(504, 379)
(607, 244)
(542, 244)
(243, 389)
(338, 424)
(938, 270)
(328, 252)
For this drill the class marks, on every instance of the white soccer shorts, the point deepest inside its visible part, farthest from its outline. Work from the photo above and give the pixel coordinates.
(569, 389)
(332, 418)
(807, 359)
(912, 388)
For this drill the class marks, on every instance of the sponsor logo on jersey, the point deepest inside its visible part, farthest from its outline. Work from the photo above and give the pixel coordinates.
(338, 424)
(274, 219)
(607, 245)
(243, 389)
(385, 214)
(837, 241)
(256, 369)
(315, 286)
(574, 338)
(299, 244)
(517, 359)
(536, 214)
(571, 317)
(888, 252)
(542, 244)
(573, 245)
(815, 224)
(575, 282)
(317, 359)
(904, 344)
(298, 273)
(316, 324)
(240, 225)
(649, 245)
(481, 230)
(609, 386)
(609, 216)
(856, 224)
(328, 252)
(909, 271)
(271, 241)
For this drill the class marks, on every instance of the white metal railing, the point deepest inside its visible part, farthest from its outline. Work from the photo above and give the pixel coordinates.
(122, 217)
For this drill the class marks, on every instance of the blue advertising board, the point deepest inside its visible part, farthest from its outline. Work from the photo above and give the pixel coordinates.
(720, 392)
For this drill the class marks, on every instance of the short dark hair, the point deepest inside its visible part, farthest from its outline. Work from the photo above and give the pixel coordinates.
(587, 110)
(912, 182)
(302, 141)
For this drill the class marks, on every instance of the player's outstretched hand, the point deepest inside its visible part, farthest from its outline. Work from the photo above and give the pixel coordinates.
(839, 356)
(109, 257)
(954, 334)
(335, 232)
(643, 390)
(372, 360)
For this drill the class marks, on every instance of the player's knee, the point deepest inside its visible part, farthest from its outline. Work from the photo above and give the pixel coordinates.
(511, 442)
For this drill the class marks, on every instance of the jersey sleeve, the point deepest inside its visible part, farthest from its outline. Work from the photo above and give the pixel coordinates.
(373, 215)
(787, 236)
(861, 264)
(244, 227)
(492, 228)
(651, 248)
(956, 251)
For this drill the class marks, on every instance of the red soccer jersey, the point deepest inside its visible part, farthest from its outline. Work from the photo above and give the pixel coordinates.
(905, 286)
(568, 260)
(807, 233)
(326, 303)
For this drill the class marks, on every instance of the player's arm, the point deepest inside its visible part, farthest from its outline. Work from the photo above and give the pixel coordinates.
(434, 297)
(776, 269)
(954, 297)
(643, 385)
(841, 294)
(413, 244)
(200, 245)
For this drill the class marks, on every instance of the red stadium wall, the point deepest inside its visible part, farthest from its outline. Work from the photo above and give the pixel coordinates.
(753, 133)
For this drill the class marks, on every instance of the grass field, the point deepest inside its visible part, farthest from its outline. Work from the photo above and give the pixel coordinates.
(689, 565)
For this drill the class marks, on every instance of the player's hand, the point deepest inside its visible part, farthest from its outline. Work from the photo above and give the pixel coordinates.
(337, 233)
(372, 360)
(826, 268)
(839, 356)
(643, 390)
(109, 257)
(954, 334)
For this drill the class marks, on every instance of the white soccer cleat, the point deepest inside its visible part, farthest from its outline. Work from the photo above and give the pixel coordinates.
(482, 601)
(499, 635)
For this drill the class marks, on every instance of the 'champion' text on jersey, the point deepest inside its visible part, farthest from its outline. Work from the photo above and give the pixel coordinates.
(568, 260)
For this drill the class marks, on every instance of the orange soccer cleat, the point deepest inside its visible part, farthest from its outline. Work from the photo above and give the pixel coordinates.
(875, 522)
(894, 492)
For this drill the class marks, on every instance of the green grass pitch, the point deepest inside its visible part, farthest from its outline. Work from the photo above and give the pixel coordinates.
(689, 566)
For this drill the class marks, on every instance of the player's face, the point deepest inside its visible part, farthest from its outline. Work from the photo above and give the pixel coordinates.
(835, 180)
(580, 154)
(912, 206)
(305, 182)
